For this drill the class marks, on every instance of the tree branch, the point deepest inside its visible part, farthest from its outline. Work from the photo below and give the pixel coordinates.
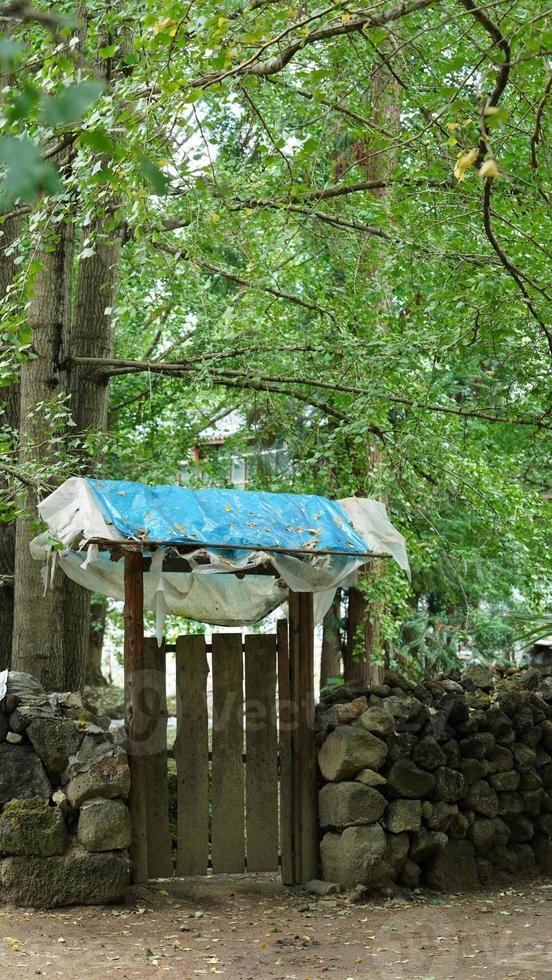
(507, 262)
(279, 61)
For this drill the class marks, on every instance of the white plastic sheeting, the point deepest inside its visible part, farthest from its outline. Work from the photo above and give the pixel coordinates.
(209, 593)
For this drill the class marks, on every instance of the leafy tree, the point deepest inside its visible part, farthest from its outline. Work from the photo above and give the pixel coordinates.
(229, 161)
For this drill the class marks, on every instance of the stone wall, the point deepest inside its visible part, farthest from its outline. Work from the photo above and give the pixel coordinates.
(446, 784)
(64, 825)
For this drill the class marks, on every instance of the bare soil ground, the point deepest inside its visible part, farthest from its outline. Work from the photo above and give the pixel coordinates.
(251, 928)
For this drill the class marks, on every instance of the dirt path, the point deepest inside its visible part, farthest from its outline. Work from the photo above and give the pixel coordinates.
(246, 930)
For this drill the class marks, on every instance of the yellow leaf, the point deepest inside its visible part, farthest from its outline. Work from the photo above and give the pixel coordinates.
(489, 169)
(227, 507)
(464, 162)
(453, 125)
(215, 218)
(345, 17)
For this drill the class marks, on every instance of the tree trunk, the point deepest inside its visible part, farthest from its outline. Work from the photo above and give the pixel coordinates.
(330, 660)
(363, 627)
(48, 634)
(9, 407)
(94, 676)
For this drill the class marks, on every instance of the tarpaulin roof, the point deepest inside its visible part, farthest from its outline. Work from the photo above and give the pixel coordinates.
(313, 544)
(243, 518)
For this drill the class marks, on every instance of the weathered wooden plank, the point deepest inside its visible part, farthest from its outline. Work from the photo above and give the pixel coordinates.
(284, 743)
(301, 650)
(160, 863)
(191, 753)
(134, 709)
(307, 742)
(227, 783)
(261, 746)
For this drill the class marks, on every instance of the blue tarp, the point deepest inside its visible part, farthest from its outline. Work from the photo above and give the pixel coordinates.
(251, 518)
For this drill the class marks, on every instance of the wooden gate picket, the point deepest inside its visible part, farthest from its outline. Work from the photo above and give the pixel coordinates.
(227, 782)
(261, 739)
(239, 805)
(191, 753)
(159, 846)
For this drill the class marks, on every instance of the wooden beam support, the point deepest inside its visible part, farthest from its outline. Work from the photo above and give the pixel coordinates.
(135, 715)
(303, 745)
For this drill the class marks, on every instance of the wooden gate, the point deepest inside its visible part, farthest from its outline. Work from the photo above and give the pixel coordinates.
(234, 757)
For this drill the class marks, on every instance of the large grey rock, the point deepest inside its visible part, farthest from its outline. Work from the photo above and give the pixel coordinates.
(376, 720)
(3, 727)
(396, 853)
(104, 825)
(450, 785)
(403, 815)
(533, 802)
(348, 804)
(509, 805)
(409, 714)
(476, 676)
(94, 747)
(371, 778)
(400, 746)
(406, 780)
(32, 827)
(345, 713)
(521, 828)
(426, 843)
(410, 874)
(54, 740)
(109, 778)
(504, 782)
(21, 774)
(478, 746)
(441, 816)
(428, 754)
(76, 878)
(474, 769)
(482, 833)
(482, 799)
(348, 750)
(459, 826)
(24, 714)
(355, 856)
(502, 758)
(21, 687)
(524, 756)
(453, 869)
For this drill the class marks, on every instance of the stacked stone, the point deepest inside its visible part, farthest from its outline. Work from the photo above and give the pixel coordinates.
(64, 825)
(447, 783)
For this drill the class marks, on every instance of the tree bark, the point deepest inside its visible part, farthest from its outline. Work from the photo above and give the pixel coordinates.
(363, 626)
(330, 660)
(94, 676)
(42, 645)
(9, 407)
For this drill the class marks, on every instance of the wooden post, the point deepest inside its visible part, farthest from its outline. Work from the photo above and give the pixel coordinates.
(285, 720)
(135, 710)
(303, 746)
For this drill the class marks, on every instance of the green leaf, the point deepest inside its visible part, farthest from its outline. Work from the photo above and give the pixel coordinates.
(70, 104)
(193, 95)
(27, 174)
(154, 176)
(108, 51)
(97, 139)
(10, 52)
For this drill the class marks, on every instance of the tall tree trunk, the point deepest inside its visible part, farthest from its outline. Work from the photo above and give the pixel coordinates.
(92, 336)
(94, 676)
(9, 406)
(48, 633)
(330, 660)
(363, 626)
